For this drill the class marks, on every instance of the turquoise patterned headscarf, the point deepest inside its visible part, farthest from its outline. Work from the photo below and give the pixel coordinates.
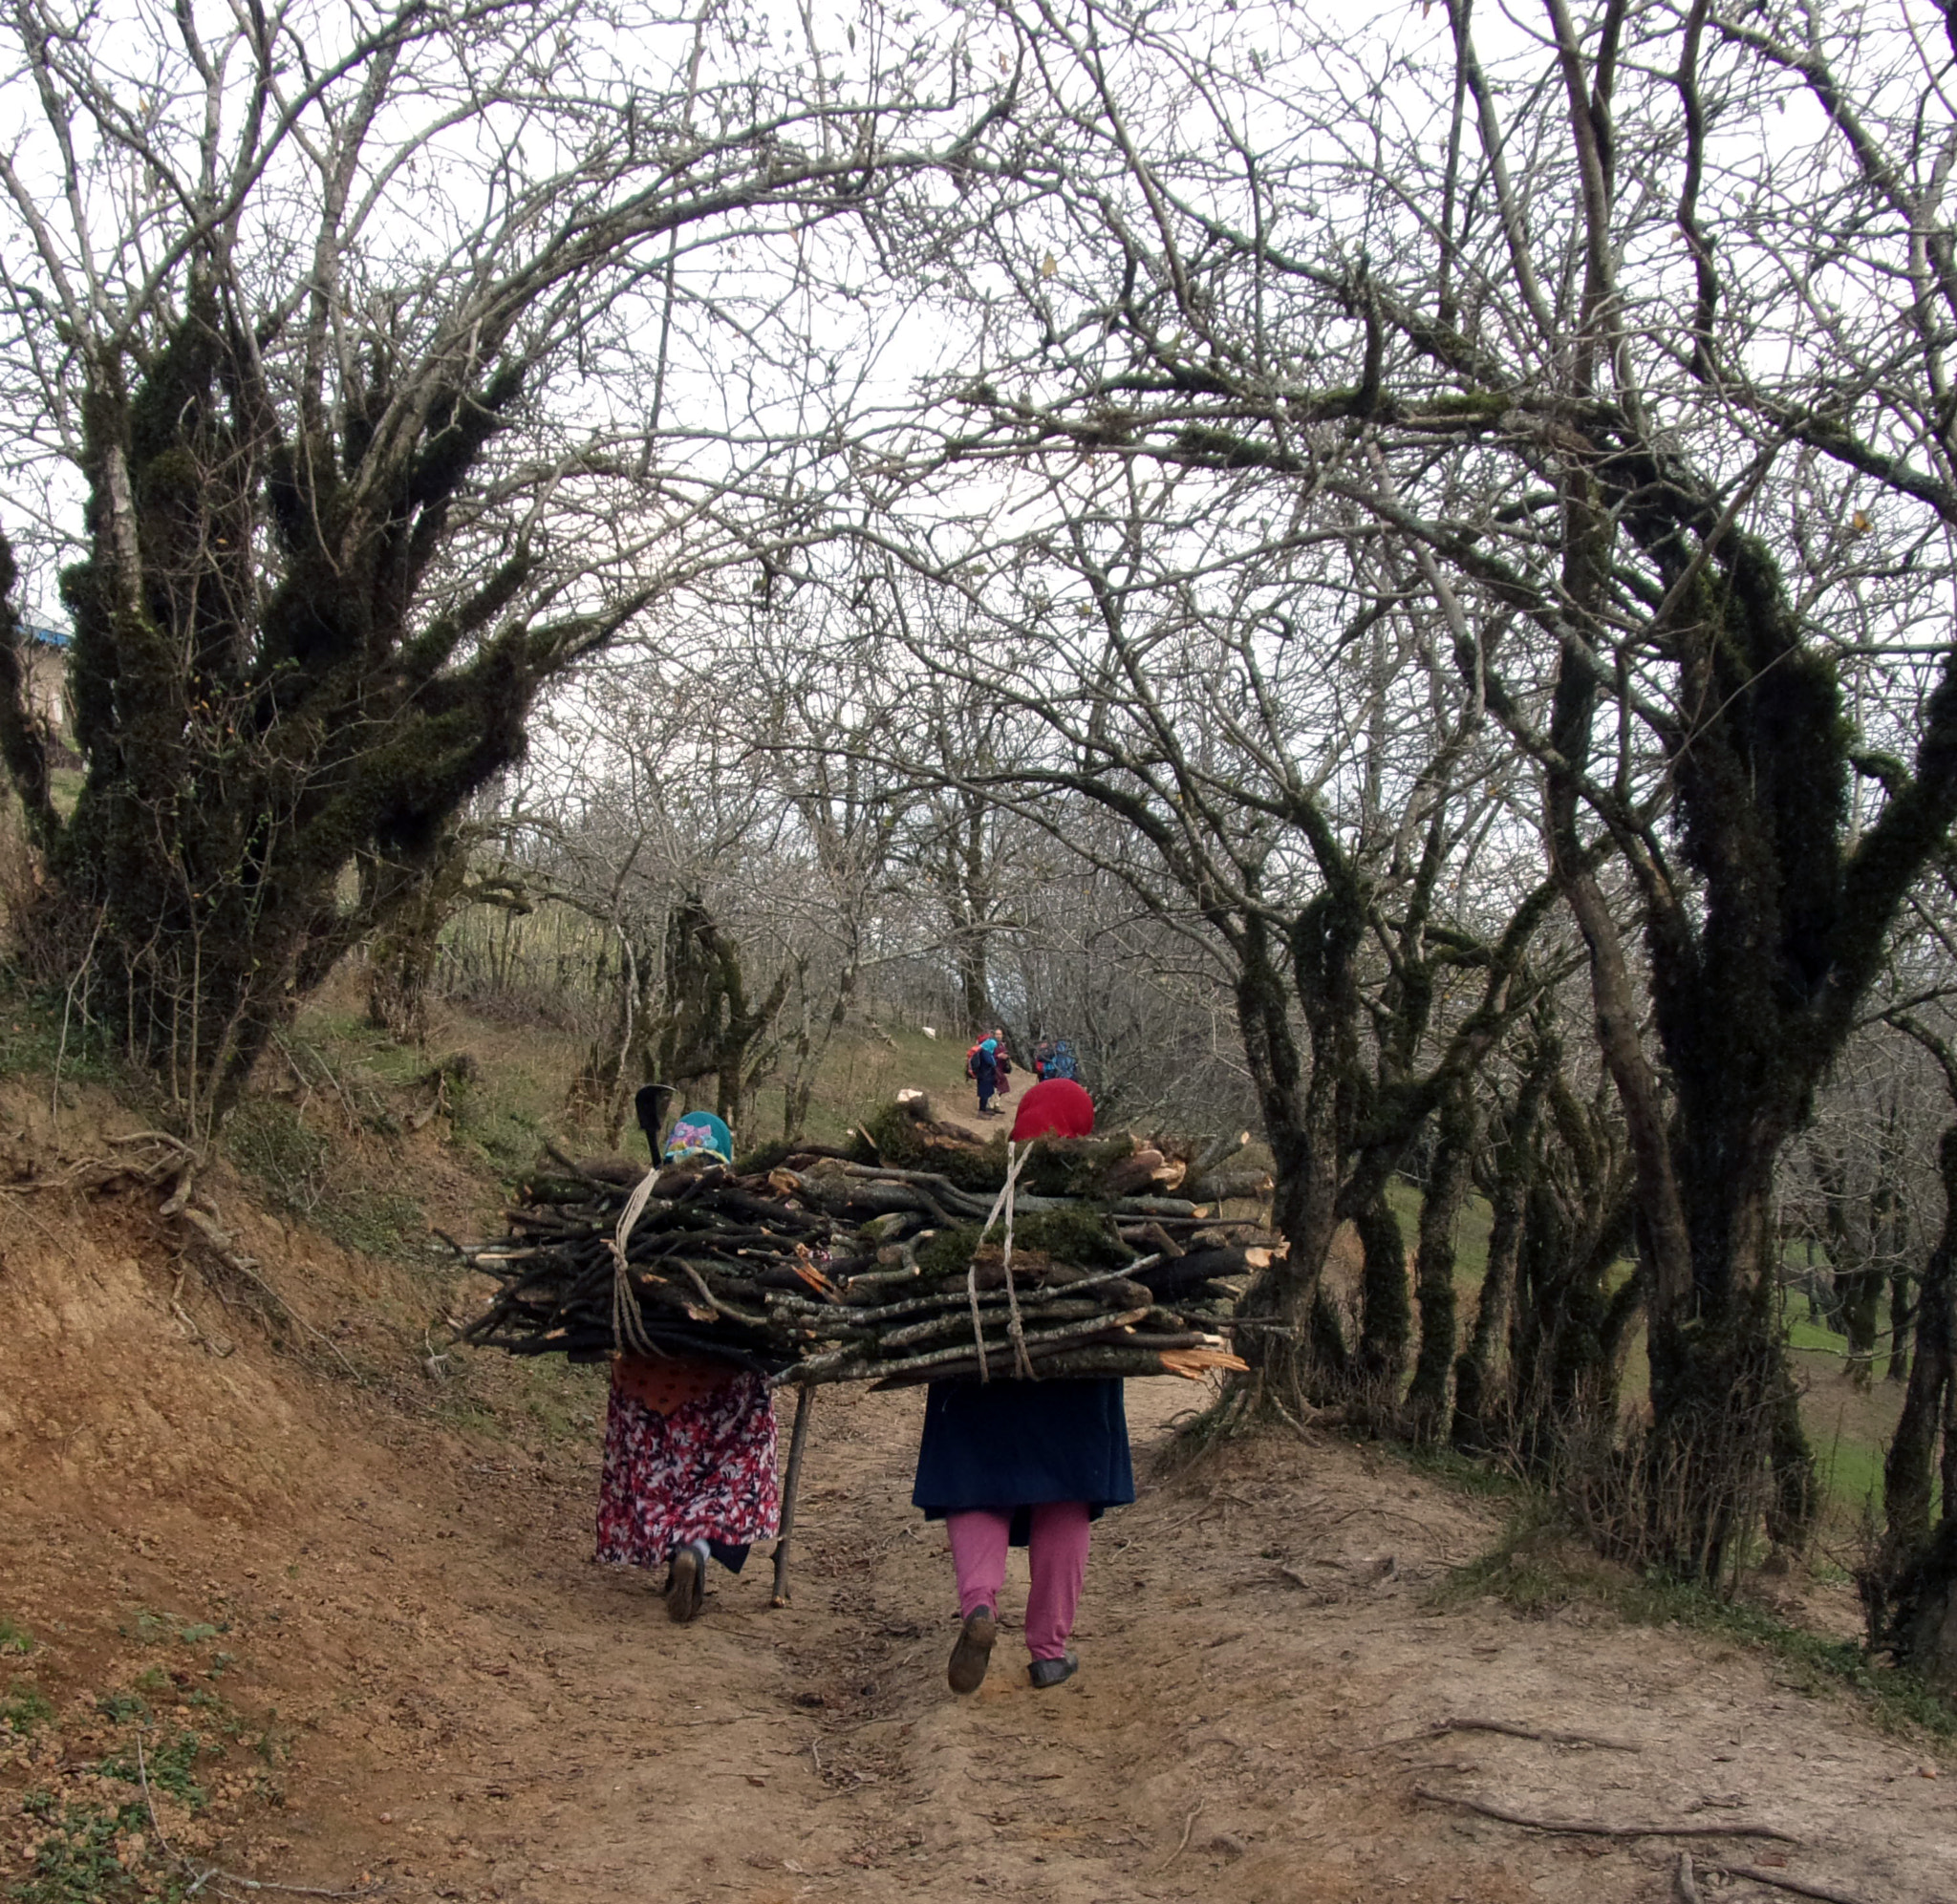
(700, 1134)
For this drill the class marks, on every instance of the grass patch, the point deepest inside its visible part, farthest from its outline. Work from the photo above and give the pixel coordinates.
(24, 1707)
(93, 1845)
(150, 1629)
(16, 1639)
(1469, 1474)
(509, 1136)
(84, 1851)
(32, 1041)
(302, 1172)
(1537, 1567)
(530, 1399)
(87, 1832)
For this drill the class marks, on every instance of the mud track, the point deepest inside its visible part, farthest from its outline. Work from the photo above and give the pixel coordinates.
(1263, 1668)
(473, 1709)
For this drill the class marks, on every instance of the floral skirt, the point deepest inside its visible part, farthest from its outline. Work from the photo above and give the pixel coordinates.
(704, 1472)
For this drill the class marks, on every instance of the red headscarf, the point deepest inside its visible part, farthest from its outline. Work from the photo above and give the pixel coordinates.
(1057, 1107)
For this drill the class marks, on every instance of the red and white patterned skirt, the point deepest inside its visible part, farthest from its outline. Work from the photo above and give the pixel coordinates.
(704, 1472)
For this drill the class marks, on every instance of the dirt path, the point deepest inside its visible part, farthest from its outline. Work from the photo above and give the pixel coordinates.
(464, 1705)
(958, 1103)
(1262, 1668)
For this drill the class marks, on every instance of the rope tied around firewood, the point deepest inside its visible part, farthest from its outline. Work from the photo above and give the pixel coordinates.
(1014, 1328)
(628, 1326)
(777, 1272)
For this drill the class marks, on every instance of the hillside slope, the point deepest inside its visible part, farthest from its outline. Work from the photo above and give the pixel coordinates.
(370, 1607)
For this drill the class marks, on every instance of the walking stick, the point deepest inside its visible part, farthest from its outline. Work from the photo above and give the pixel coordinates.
(798, 1440)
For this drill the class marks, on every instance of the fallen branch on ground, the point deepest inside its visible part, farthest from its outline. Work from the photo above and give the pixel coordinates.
(227, 1254)
(1588, 1828)
(1511, 1730)
(1801, 1887)
(214, 1874)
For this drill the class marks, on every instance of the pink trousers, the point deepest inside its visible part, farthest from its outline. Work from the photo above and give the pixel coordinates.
(1058, 1553)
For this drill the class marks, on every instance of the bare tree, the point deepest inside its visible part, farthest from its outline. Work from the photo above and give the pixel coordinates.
(1652, 396)
(364, 331)
(1304, 790)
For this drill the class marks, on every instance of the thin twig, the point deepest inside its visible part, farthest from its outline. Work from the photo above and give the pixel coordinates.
(1684, 1889)
(68, 1006)
(1189, 1824)
(176, 1858)
(1546, 1737)
(238, 1263)
(374, 1890)
(1590, 1828)
(1799, 1886)
(20, 1204)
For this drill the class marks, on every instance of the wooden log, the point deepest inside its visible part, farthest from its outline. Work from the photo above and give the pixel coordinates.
(1189, 1361)
(1207, 1161)
(1138, 1173)
(1159, 1207)
(1243, 1181)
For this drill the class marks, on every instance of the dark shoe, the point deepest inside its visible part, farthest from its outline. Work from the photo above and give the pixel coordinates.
(1044, 1673)
(973, 1652)
(686, 1586)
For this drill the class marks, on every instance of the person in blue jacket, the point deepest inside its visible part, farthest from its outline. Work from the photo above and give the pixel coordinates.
(983, 1067)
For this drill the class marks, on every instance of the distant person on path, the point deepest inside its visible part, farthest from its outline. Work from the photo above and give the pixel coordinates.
(982, 1066)
(1024, 1464)
(689, 1469)
(1003, 1061)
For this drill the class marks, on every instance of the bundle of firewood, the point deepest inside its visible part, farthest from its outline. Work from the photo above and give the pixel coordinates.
(823, 1269)
(704, 1252)
(1028, 1315)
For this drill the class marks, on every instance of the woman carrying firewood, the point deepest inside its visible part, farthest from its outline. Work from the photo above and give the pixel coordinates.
(689, 1470)
(1024, 1464)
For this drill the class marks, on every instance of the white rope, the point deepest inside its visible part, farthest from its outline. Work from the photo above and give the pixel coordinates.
(628, 1328)
(1015, 1162)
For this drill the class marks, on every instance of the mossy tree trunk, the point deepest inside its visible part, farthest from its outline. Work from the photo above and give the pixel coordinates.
(402, 957)
(1909, 1586)
(1510, 1177)
(1756, 964)
(334, 540)
(1386, 1312)
(247, 742)
(1342, 1111)
(1853, 1239)
(1449, 1176)
(1571, 1319)
(712, 1028)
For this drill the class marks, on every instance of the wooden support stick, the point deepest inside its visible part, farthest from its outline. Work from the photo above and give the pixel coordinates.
(797, 1441)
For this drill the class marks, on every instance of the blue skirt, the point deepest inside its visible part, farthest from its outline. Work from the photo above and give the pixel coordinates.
(1010, 1445)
